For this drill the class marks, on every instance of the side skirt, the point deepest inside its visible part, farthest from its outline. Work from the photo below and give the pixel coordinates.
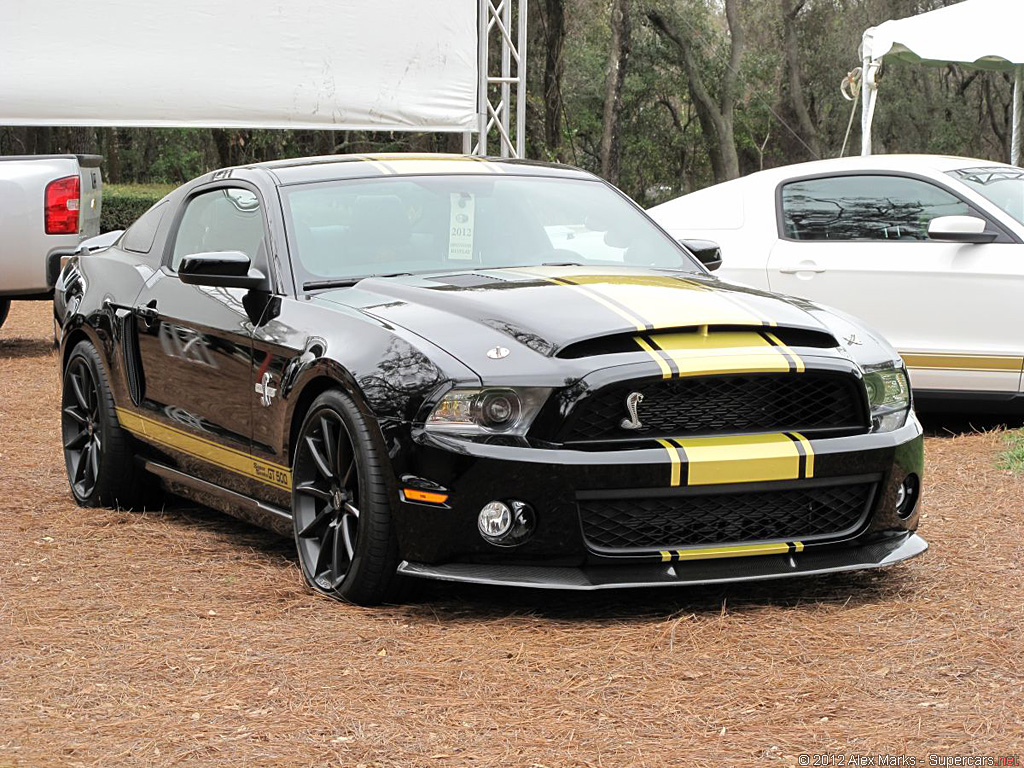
(233, 503)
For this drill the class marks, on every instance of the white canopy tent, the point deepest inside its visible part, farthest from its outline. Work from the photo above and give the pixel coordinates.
(383, 65)
(987, 34)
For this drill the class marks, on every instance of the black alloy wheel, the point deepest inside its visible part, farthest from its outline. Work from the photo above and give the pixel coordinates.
(80, 427)
(98, 454)
(340, 505)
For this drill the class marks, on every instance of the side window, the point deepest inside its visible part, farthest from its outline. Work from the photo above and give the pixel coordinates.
(221, 220)
(140, 235)
(864, 208)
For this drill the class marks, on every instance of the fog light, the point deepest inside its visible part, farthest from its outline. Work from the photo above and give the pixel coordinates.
(495, 520)
(906, 496)
(506, 524)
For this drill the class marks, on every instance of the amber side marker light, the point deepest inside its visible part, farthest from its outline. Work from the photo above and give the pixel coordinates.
(411, 494)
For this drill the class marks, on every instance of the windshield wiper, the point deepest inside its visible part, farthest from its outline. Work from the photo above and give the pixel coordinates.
(344, 282)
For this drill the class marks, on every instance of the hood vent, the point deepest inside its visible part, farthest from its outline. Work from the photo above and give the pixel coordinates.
(621, 343)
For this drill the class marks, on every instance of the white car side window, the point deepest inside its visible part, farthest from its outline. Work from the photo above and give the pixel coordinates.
(865, 208)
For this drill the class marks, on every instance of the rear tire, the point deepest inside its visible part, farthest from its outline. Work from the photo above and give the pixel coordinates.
(5, 307)
(341, 504)
(98, 454)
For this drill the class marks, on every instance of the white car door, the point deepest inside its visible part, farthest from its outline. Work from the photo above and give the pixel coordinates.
(859, 242)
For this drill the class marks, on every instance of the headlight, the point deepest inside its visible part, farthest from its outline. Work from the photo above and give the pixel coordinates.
(889, 398)
(487, 411)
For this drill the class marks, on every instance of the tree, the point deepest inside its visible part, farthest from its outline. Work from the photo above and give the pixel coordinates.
(615, 78)
(796, 84)
(716, 116)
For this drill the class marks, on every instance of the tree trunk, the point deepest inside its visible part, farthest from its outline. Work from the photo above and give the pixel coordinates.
(554, 68)
(715, 117)
(618, 60)
(796, 82)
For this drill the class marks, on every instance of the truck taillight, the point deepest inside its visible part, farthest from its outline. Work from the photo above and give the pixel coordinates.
(63, 197)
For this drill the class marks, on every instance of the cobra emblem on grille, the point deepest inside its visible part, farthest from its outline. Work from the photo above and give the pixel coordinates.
(632, 403)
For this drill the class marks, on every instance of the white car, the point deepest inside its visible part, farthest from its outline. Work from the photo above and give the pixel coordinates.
(928, 250)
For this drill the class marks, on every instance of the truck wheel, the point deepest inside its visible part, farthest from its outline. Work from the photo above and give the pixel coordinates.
(341, 505)
(97, 452)
(5, 307)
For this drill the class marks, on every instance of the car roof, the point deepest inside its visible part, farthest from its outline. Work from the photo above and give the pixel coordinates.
(909, 163)
(337, 167)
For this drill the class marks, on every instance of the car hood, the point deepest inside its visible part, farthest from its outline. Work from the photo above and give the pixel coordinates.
(547, 309)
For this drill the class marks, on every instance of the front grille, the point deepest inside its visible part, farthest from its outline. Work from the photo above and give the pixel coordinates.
(708, 405)
(671, 522)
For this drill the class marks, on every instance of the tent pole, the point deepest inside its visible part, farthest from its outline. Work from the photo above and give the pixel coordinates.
(1018, 97)
(867, 104)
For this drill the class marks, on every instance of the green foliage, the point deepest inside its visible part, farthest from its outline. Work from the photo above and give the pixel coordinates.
(1012, 457)
(124, 203)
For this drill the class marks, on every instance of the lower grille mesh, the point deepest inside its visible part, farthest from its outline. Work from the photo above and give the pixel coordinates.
(684, 521)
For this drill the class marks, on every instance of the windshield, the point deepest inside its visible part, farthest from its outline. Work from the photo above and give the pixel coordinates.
(1002, 185)
(413, 224)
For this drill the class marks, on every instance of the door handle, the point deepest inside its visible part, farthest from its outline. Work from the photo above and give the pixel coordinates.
(803, 266)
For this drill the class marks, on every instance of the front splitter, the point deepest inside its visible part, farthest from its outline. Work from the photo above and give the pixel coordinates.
(879, 554)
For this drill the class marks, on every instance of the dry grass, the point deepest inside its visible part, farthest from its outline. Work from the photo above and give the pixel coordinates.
(186, 637)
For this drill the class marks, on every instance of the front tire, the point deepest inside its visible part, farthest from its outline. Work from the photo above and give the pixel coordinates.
(97, 452)
(341, 504)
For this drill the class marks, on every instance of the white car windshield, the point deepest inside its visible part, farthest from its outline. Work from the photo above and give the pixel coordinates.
(1001, 185)
(411, 224)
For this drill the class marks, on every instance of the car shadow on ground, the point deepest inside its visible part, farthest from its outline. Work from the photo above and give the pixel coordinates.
(956, 424)
(454, 603)
(19, 348)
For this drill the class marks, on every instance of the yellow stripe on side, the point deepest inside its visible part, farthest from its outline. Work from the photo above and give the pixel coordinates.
(666, 372)
(696, 354)
(666, 556)
(673, 457)
(741, 459)
(230, 459)
(986, 363)
(798, 546)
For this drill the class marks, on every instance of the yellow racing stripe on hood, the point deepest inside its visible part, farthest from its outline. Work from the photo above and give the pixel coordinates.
(668, 302)
(707, 354)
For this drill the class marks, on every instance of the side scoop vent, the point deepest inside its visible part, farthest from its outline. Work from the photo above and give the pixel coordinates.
(622, 343)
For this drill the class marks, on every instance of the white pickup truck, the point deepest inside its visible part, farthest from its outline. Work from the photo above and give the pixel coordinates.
(48, 205)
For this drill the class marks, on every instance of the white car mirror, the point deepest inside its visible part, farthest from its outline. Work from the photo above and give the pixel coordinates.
(959, 229)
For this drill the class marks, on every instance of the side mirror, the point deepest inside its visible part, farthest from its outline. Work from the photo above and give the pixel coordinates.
(707, 252)
(959, 229)
(220, 269)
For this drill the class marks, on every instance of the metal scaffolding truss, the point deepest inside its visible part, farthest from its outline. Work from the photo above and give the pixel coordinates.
(501, 95)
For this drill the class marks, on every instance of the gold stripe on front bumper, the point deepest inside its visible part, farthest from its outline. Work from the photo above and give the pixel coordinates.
(739, 459)
(740, 550)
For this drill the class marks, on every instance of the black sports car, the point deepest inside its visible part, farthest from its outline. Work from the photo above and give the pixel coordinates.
(481, 371)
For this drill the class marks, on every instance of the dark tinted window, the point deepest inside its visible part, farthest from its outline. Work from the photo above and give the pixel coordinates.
(865, 208)
(222, 220)
(139, 237)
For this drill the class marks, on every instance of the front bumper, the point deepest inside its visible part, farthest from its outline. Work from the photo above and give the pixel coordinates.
(880, 554)
(443, 539)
